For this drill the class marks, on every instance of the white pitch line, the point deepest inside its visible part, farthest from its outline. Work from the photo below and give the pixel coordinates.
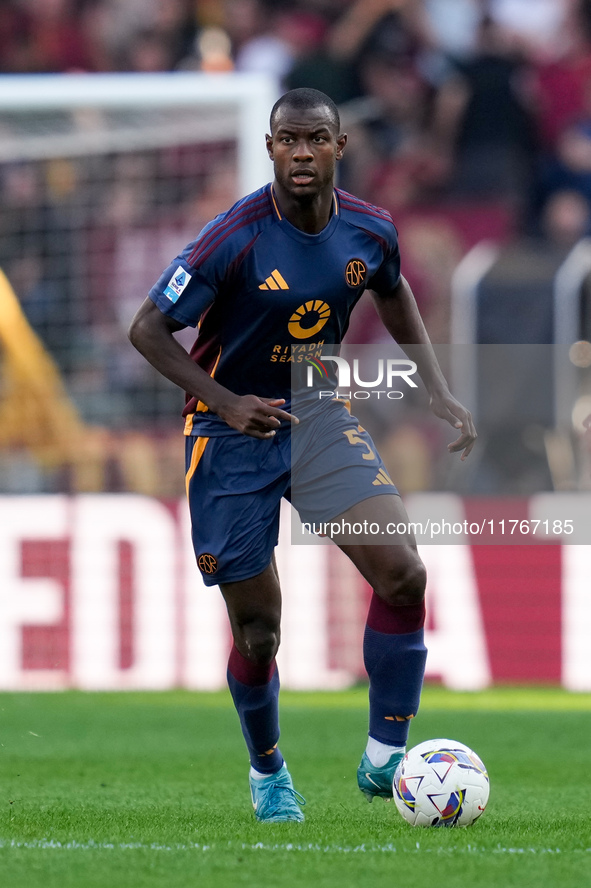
(53, 845)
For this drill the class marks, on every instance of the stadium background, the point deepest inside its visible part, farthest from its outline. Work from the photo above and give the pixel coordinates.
(471, 122)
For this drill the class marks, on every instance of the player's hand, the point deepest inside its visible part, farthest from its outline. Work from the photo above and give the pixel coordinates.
(446, 407)
(257, 417)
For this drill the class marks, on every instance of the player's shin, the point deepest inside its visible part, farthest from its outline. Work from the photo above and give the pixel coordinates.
(394, 654)
(255, 691)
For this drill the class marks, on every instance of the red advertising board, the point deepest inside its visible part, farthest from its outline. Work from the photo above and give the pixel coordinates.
(102, 592)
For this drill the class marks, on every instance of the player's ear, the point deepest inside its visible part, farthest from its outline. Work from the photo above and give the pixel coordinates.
(269, 144)
(341, 142)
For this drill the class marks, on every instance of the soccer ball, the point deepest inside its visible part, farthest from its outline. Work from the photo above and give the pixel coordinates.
(441, 783)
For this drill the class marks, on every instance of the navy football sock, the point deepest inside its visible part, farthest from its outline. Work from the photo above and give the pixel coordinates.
(394, 654)
(255, 691)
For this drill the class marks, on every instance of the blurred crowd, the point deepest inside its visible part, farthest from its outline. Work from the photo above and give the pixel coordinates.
(476, 113)
(469, 120)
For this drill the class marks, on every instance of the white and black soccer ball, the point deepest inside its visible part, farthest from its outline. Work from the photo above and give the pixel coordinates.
(441, 783)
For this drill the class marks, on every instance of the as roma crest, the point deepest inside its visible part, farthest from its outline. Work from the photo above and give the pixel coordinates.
(356, 272)
(207, 563)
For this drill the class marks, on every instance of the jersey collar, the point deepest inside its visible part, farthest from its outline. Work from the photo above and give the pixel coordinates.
(297, 233)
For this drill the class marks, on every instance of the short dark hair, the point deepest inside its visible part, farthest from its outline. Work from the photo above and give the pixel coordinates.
(303, 99)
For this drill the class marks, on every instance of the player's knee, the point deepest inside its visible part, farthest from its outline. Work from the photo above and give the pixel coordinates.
(261, 642)
(403, 583)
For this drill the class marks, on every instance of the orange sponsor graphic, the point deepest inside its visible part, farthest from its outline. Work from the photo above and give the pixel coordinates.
(308, 319)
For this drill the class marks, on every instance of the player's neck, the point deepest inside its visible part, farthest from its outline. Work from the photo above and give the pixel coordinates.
(309, 214)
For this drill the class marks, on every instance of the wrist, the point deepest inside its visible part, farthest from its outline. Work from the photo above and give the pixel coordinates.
(223, 404)
(437, 388)
(217, 398)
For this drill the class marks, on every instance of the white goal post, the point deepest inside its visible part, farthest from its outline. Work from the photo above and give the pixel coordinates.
(103, 179)
(251, 94)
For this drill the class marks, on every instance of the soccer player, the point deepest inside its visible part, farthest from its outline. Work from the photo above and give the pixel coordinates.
(284, 267)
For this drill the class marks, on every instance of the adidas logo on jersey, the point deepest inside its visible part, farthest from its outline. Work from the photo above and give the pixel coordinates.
(275, 281)
(383, 478)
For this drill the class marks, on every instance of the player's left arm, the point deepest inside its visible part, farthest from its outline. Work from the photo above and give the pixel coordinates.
(400, 315)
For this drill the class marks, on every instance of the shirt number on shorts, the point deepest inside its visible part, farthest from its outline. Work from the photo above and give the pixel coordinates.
(354, 438)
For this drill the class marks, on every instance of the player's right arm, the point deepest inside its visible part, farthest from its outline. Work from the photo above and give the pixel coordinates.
(151, 332)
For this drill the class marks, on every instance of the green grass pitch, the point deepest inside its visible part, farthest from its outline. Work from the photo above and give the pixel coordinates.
(131, 790)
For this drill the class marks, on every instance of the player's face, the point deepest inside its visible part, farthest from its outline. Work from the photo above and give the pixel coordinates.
(304, 147)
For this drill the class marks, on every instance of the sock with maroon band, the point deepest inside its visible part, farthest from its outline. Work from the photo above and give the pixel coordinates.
(255, 691)
(394, 654)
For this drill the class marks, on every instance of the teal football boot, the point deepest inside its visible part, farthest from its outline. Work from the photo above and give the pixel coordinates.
(374, 781)
(274, 799)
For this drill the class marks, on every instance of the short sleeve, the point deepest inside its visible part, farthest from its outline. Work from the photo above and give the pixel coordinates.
(386, 278)
(183, 292)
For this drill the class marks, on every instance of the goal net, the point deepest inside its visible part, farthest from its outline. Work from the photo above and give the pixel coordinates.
(104, 178)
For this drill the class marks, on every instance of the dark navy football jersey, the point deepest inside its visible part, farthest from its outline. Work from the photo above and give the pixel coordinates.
(265, 294)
